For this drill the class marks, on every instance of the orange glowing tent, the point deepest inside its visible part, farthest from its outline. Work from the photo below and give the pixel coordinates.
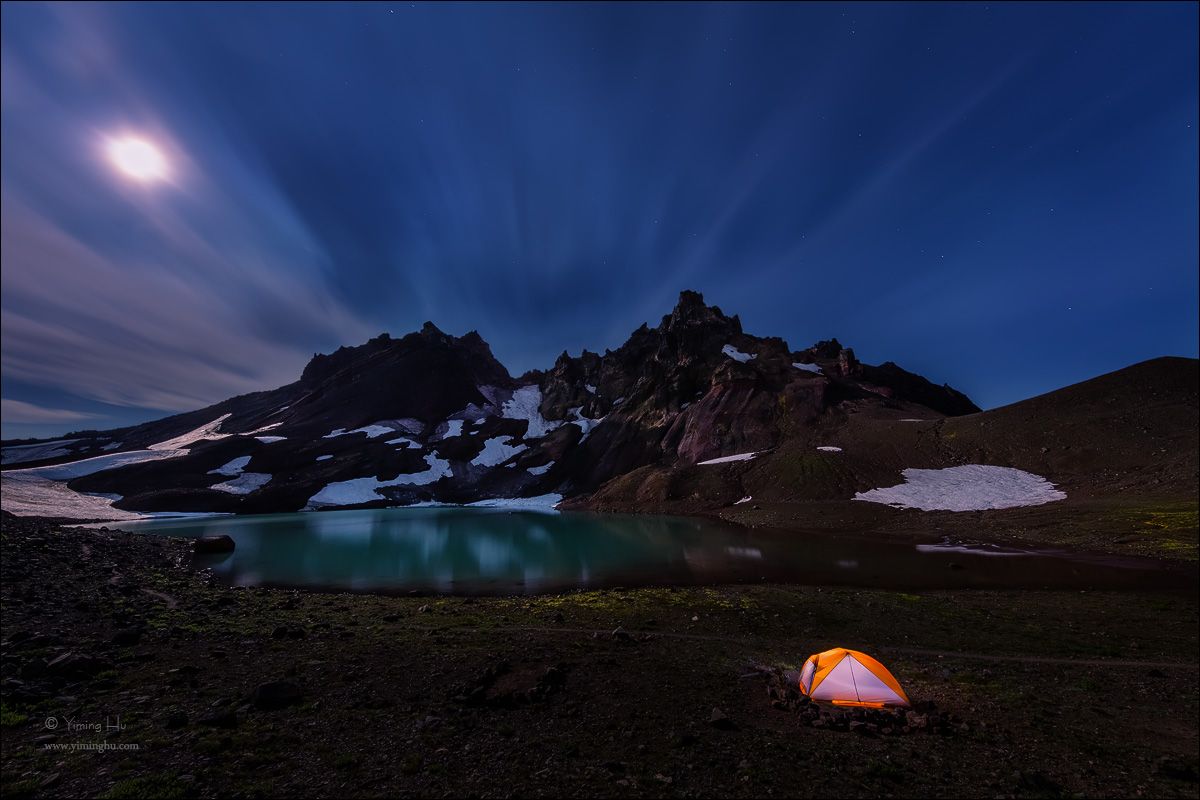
(850, 678)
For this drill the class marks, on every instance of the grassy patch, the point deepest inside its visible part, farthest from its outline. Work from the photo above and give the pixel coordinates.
(166, 785)
(12, 715)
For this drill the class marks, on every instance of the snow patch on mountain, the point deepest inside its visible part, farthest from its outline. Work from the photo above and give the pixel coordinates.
(233, 468)
(497, 451)
(35, 452)
(973, 487)
(207, 431)
(539, 503)
(542, 470)
(808, 367)
(575, 417)
(87, 466)
(727, 459)
(525, 404)
(371, 431)
(830, 449)
(245, 483)
(269, 439)
(362, 490)
(736, 354)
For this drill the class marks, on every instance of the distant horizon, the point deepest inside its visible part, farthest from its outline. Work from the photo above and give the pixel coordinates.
(197, 197)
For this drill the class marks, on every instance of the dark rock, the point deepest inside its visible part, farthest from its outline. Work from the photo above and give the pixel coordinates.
(721, 722)
(50, 781)
(684, 739)
(621, 633)
(48, 738)
(1036, 781)
(74, 664)
(127, 637)
(296, 633)
(276, 694)
(215, 544)
(1175, 768)
(218, 654)
(176, 720)
(222, 719)
(33, 669)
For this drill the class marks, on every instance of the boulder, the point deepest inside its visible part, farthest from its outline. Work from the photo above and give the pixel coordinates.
(276, 694)
(214, 544)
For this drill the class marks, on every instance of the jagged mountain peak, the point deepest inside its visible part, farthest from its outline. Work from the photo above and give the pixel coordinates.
(691, 311)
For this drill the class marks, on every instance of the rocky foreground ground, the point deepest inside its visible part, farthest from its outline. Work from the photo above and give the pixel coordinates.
(199, 690)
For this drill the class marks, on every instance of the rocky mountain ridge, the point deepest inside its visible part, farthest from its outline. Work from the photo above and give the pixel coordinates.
(431, 417)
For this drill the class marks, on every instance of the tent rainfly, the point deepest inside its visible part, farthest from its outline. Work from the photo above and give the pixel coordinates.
(850, 678)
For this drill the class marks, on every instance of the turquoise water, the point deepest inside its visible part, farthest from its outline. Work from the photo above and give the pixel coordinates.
(495, 551)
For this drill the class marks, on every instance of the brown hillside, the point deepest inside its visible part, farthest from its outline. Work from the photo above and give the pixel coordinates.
(1130, 431)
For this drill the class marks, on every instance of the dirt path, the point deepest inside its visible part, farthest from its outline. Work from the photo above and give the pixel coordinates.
(639, 634)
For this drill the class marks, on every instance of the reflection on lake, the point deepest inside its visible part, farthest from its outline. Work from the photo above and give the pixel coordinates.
(495, 551)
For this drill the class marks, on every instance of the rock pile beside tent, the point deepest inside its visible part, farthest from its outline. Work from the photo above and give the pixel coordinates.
(924, 717)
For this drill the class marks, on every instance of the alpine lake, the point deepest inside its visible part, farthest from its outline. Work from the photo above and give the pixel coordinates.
(497, 551)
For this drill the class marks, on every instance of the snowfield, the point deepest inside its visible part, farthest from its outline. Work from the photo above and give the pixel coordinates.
(736, 354)
(525, 404)
(76, 469)
(35, 452)
(727, 459)
(370, 430)
(974, 487)
(42, 490)
(808, 368)
(362, 490)
(208, 431)
(233, 468)
(539, 503)
(245, 483)
(496, 451)
(27, 494)
(830, 449)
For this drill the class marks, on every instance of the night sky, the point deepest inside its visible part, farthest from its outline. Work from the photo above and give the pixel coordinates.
(998, 196)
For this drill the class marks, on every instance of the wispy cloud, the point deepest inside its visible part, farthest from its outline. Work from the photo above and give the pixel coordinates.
(20, 412)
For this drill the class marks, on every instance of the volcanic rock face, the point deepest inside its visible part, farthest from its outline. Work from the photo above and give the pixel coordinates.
(433, 417)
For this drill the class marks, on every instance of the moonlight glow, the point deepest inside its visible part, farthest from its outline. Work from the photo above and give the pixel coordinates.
(138, 159)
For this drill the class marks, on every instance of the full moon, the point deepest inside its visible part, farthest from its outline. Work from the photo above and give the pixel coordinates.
(138, 159)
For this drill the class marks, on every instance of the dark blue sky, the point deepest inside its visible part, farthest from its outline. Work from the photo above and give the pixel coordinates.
(998, 196)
